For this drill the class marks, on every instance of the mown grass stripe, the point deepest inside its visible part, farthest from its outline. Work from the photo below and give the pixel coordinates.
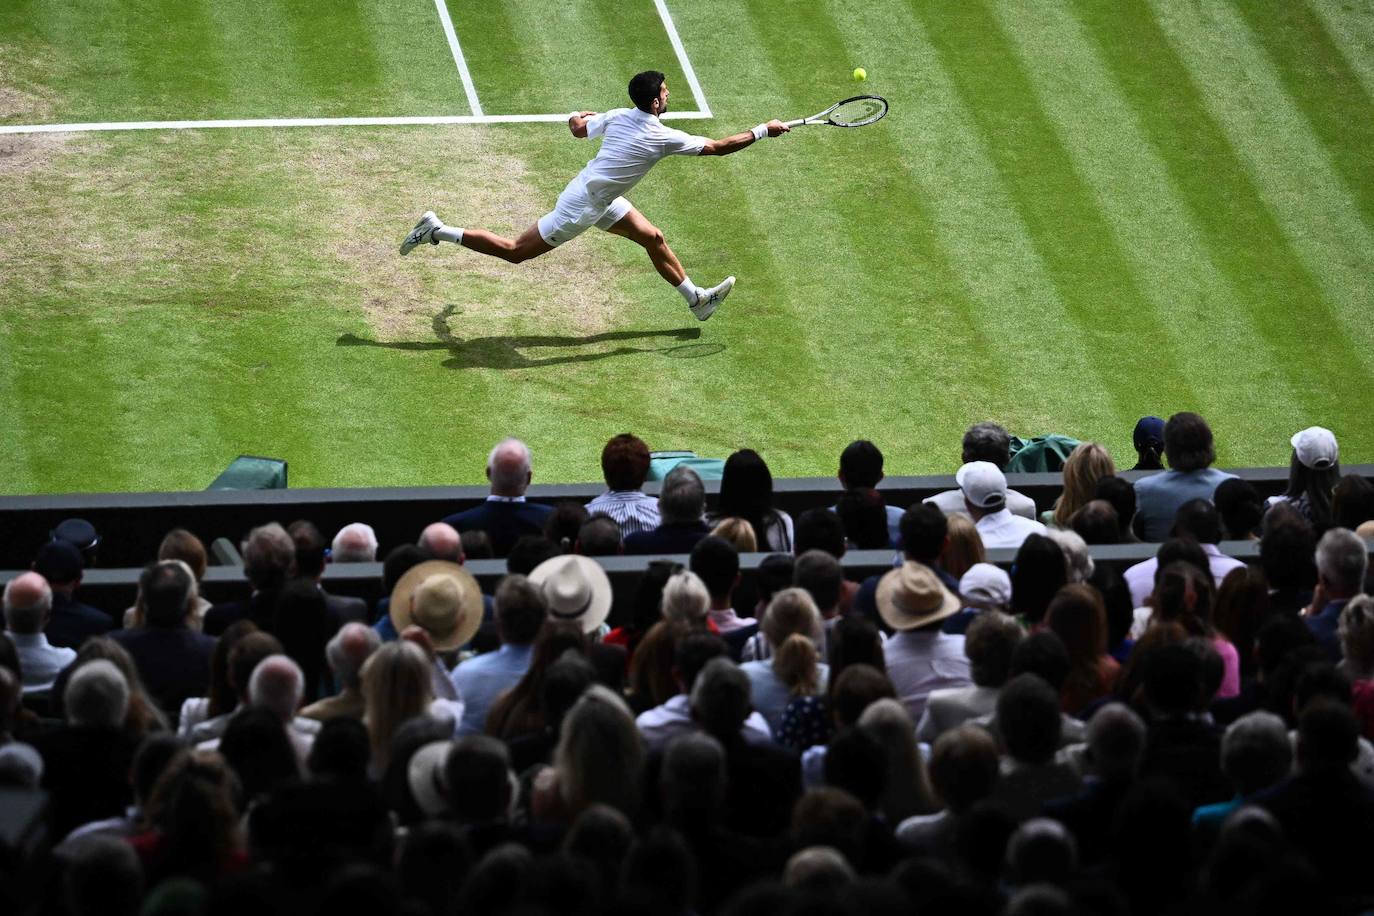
(1336, 105)
(1245, 240)
(1080, 249)
(1350, 24)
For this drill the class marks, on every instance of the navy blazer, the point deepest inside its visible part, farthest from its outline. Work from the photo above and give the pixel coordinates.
(504, 522)
(72, 623)
(174, 663)
(667, 539)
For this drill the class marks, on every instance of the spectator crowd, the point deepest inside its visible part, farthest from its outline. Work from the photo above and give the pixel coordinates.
(1189, 734)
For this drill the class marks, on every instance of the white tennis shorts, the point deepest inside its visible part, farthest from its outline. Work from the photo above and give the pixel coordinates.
(575, 213)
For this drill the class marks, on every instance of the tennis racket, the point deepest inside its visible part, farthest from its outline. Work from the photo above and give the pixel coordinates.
(858, 111)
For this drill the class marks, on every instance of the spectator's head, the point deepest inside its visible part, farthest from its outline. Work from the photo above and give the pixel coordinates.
(925, 530)
(1256, 752)
(738, 533)
(311, 551)
(1188, 442)
(818, 870)
(1121, 494)
(564, 522)
(692, 653)
(1341, 562)
(565, 680)
(1028, 718)
(348, 650)
(1352, 502)
(1076, 557)
(1037, 575)
(686, 600)
(1078, 617)
(911, 597)
(864, 516)
(716, 561)
(1174, 678)
(773, 575)
(1043, 654)
(963, 546)
(830, 816)
(441, 598)
(355, 543)
(401, 560)
(478, 780)
(1288, 547)
(600, 754)
(855, 641)
(625, 462)
(599, 536)
(857, 762)
(180, 544)
(721, 699)
(857, 688)
(820, 574)
(441, 541)
(746, 488)
(103, 877)
(1086, 465)
(245, 655)
(861, 465)
(990, 643)
(1184, 594)
(28, 603)
(340, 751)
(1041, 853)
(985, 587)
(477, 545)
(693, 779)
(1356, 630)
(1148, 440)
(1314, 470)
(256, 745)
(1116, 598)
(987, 441)
(820, 529)
(682, 498)
(520, 610)
(269, 557)
(1116, 742)
(963, 767)
(792, 611)
(60, 563)
(1240, 507)
(1198, 519)
(984, 487)
(508, 468)
(277, 684)
(1097, 523)
(97, 695)
(1328, 737)
(529, 552)
(396, 688)
(168, 591)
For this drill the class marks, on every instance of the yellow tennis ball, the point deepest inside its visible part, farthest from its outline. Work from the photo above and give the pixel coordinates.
(860, 74)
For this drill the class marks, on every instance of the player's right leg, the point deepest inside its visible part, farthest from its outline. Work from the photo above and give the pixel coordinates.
(430, 229)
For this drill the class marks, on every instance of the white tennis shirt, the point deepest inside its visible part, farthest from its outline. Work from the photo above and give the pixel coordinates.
(633, 141)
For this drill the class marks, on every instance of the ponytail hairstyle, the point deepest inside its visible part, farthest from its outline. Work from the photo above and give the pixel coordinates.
(796, 663)
(792, 626)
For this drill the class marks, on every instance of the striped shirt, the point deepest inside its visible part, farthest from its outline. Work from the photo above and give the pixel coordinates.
(633, 510)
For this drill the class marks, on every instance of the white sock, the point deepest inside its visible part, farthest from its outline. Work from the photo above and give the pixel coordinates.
(688, 290)
(449, 234)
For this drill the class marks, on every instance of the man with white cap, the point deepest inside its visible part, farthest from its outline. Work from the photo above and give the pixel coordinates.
(920, 658)
(985, 498)
(983, 587)
(1312, 475)
(986, 441)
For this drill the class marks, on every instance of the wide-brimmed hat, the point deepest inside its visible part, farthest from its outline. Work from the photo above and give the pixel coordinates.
(425, 777)
(447, 603)
(576, 588)
(912, 596)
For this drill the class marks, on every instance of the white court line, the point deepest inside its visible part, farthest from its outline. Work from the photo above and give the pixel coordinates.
(682, 57)
(452, 36)
(311, 122)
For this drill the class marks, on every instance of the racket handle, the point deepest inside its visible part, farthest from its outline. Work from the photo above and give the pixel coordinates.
(797, 123)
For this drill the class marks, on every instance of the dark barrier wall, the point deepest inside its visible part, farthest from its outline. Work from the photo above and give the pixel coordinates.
(132, 524)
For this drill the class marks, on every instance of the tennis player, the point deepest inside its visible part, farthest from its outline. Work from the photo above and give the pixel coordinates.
(633, 140)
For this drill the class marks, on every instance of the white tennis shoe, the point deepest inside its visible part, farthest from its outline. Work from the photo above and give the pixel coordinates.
(423, 232)
(708, 300)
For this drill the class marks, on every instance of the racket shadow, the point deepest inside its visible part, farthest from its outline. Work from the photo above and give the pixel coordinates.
(508, 351)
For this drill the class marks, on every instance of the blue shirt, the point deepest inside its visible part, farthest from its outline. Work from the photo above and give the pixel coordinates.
(1158, 497)
(482, 678)
(770, 694)
(1325, 626)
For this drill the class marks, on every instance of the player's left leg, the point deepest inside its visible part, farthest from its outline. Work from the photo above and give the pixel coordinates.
(631, 224)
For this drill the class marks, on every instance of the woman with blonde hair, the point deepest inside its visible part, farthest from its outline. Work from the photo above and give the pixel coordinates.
(963, 548)
(738, 532)
(1085, 466)
(599, 760)
(396, 688)
(792, 627)
(908, 785)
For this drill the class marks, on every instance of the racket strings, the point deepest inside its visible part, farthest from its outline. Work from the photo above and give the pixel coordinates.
(858, 112)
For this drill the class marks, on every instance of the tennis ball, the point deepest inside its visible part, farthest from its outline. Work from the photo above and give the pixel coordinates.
(860, 74)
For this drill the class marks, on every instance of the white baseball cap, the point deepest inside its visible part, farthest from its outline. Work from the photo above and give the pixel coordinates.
(983, 483)
(1316, 448)
(985, 585)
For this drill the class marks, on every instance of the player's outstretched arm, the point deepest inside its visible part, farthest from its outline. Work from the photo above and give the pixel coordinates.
(737, 142)
(577, 123)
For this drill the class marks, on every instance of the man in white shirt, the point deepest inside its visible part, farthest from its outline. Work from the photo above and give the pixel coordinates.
(985, 498)
(986, 441)
(663, 723)
(634, 141)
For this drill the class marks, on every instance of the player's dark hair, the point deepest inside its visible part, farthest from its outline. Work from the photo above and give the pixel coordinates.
(644, 88)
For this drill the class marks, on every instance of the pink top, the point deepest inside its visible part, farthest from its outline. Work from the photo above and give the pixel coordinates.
(1230, 660)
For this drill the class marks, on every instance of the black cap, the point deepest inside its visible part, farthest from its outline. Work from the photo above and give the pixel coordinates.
(78, 532)
(58, 562)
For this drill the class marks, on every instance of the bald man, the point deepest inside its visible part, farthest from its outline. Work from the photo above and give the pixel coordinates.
(28, 606)
(443, 542)
(346, 653)
(505, 516)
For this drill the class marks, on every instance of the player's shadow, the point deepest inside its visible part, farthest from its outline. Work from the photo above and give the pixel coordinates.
(508, 352)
